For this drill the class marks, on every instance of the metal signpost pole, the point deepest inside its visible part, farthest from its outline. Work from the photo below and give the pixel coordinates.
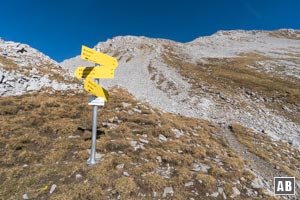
(92, 77)
(92, 159)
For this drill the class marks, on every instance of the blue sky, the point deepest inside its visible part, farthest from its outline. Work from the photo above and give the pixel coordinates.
(58, 28)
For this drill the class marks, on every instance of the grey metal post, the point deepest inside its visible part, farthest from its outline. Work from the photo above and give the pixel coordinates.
(92, 159)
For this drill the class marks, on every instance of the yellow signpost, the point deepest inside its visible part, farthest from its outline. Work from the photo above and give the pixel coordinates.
(105, 68)
(98, 57)
(95, 89)
(94, 72)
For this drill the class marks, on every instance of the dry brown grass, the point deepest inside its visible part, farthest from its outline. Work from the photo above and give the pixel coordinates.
(125, 186)
(207, 181)
(8, 64)
(129, 58)
(44, 141)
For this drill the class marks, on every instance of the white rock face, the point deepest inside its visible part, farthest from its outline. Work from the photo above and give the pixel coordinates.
(284, 51)
(23, 69)
(143, 71)
(23, 54)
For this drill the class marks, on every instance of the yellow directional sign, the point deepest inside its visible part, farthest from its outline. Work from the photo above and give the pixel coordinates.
(95, 89)
(94, 72)
(98, 57)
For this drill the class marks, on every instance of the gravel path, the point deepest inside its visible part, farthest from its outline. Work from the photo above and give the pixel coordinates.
(262, 168)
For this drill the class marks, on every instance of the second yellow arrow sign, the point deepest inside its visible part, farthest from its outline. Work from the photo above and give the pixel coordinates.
(94, 72)
(95, 89)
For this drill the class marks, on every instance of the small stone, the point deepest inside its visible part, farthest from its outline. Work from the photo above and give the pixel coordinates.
(73, 136)
(136, 145)
(177, 133)
(284, 107)
(120, 166)
(133, 144)
(111, 120)
(195, 134)
(200, 167)
(144, 141)
(125, 105)
(162, 138)
(249, 192)
(137, 110)
(99, 156)
(109, 125)
(78, 176)
(188, 184)
(25, 196)
(236, 192)
(257, 183)
(25, 165)
(220, 190)
(224, 195)
(168, 190)
(158, 158)
(126, 174)
(154, 194)
(53, 187)
(215, 194)
(130, 112)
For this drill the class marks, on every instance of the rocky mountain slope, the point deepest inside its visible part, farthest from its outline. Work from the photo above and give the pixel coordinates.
(215, 118)
(24, 69)
(249, 77)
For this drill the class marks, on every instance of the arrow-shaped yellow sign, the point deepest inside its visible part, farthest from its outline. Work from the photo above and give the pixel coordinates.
(98, 57)
(95, 89)
(94, 72)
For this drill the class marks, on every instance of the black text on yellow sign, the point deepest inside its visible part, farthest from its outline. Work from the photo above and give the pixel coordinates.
(106, 69)
(98, 57)
(95, 89)
(94, 72)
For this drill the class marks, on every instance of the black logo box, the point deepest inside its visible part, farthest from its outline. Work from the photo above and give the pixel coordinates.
(284, 185)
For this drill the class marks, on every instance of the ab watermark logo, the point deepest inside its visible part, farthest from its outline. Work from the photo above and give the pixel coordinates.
(284, 185)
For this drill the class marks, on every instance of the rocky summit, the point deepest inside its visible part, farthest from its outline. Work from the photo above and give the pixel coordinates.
(24, 69)
(214, 118)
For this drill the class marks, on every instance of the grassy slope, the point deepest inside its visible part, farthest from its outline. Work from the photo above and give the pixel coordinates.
(36, 151)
